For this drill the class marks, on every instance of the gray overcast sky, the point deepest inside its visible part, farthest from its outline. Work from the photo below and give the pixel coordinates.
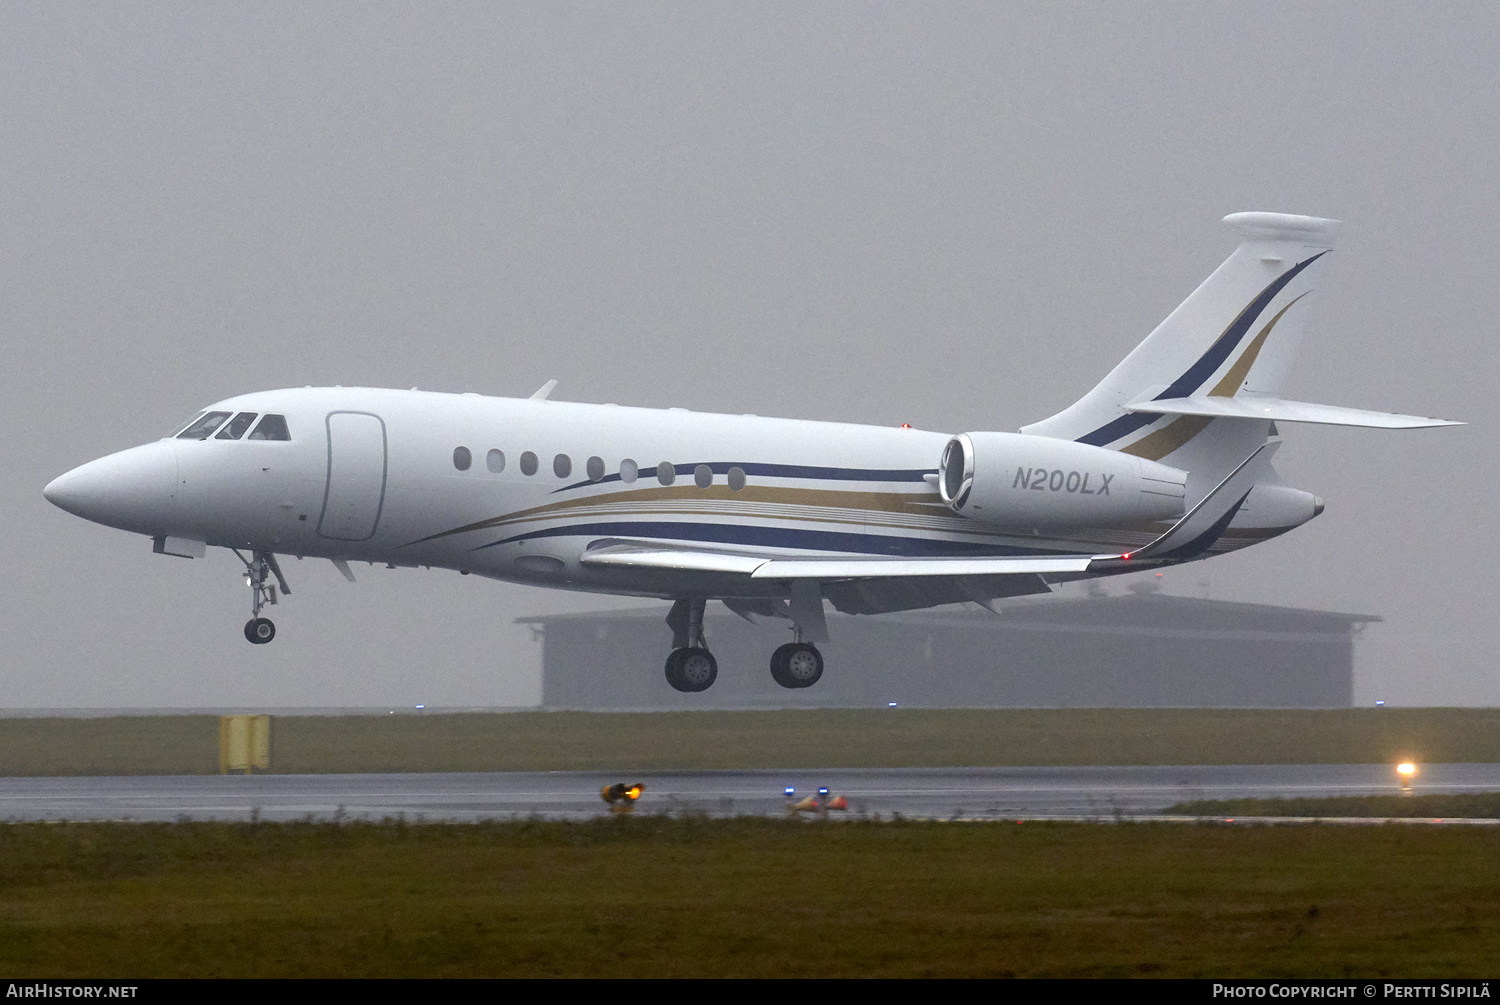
(959, 216)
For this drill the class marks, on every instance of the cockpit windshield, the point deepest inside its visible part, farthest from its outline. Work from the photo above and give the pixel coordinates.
(203, 427)
(272, 427)
(236, 426)
(183, 425)
(204, 424)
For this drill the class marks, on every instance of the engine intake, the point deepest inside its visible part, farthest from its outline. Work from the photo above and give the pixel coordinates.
(1026, 482)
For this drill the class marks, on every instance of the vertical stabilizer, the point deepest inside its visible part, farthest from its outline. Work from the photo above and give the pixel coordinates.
(1238, 333)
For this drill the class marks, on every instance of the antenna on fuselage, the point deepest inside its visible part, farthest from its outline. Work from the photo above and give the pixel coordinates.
(543, 391)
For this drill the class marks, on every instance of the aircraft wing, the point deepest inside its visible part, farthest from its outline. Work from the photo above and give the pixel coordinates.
(644, 554)
(1281, 410)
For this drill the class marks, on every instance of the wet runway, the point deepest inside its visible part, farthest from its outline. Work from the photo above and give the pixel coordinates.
(1097, 793)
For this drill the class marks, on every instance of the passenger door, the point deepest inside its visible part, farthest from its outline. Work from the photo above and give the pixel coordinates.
(356, 476)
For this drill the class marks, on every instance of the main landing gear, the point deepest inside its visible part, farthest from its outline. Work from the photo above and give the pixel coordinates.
(796, 664)
(690, 667)
(260, 566)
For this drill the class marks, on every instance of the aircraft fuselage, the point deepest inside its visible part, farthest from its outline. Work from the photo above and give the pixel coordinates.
(516, 489)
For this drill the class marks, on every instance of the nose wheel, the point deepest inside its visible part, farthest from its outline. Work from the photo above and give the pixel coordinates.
(259, 567)
(259, 631)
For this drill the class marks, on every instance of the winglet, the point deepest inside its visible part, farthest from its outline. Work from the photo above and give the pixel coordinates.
(541, 393)
(1196, 532)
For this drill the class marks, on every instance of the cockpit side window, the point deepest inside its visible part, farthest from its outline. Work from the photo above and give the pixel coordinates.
(203, 427)
(272, 427)
(236, 426)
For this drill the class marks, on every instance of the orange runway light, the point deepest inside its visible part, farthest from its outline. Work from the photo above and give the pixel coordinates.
(622, 797)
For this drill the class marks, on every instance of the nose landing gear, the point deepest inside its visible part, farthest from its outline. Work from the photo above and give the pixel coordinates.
(258, 568)
(259, 631)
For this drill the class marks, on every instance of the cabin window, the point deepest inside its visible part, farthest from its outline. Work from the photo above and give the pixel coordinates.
(236, 426)
(736, 478)
(462, 458)
(272, 427)
(629, 471)
(528, 463)
(595, 468)
(665, 473)
(495, 461)
(562, 465)
(203, 427)
(703, 476)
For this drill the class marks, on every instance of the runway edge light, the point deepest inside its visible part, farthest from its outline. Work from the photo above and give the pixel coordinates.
(1406, 771)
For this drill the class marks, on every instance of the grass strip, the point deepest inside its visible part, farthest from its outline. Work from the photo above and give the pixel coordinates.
(1468, 806)
(685, 897)
(824, 738)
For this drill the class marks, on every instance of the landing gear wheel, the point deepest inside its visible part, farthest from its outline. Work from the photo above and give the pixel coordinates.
(796, 664)
(259, 631)
(692, 670)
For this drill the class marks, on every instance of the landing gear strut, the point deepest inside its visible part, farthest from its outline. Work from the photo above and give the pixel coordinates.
(799, 664)
(260, 566)
(690, 667)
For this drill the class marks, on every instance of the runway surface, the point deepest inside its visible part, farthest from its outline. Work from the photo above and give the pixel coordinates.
(1098, 793)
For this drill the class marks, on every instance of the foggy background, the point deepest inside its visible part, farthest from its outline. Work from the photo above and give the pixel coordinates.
(958, 216)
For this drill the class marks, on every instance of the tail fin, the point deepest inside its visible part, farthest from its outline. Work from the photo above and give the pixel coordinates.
(1238, 332)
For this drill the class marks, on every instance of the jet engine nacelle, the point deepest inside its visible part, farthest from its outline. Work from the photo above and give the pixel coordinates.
(1277, 507)
(1014, 480)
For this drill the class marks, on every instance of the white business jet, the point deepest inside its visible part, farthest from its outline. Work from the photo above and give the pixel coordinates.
(1165, 461)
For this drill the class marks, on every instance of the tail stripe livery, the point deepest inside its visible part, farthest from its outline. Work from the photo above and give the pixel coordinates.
(1205, 366)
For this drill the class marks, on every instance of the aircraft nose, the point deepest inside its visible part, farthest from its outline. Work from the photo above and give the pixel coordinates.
(131, 490)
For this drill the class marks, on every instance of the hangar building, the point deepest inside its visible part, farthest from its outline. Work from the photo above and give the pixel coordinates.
(1140, 650)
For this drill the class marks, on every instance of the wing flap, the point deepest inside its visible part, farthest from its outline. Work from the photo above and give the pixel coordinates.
(648, 555)
(864, 568)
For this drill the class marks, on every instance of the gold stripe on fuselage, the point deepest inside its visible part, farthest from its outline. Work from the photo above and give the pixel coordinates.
(877, 511)
(924, 505)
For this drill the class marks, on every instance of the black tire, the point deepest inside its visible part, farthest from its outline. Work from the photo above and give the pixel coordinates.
(692, 670)
(796, 664)
(259, 631)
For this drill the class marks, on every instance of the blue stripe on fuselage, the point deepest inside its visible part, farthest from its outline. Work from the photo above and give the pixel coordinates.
(782, 537)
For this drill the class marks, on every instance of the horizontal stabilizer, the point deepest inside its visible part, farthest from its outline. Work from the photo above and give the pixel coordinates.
(1247, 406)
(644, 554)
